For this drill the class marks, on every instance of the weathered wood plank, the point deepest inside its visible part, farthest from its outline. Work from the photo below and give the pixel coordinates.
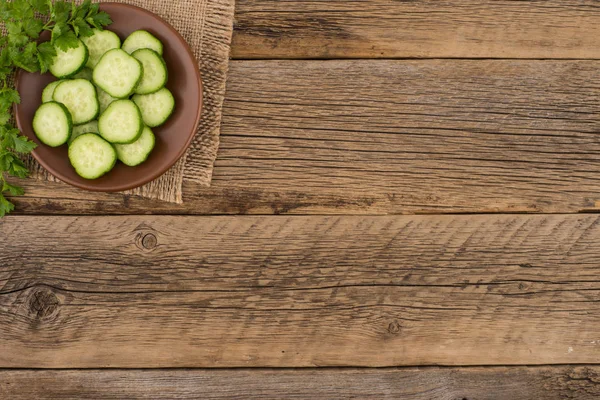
(491, 383)
(390, 137)
(421, 28)
(92, 292)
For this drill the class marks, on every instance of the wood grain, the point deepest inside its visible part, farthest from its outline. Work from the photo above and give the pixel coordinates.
(518, 383)
(91, 292)
(390, 137)
(421, 28)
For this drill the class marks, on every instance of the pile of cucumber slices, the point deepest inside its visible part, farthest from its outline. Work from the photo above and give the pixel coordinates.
(107, 99)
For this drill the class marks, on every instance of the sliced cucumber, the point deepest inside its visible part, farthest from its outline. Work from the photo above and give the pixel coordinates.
(142, 40)
(92, 156)
(121, 122)
(118, 74)
(70, 62)
(79, 96)
(99, 43)
(155, 71)
(104, 99)
(137, 152)
(78, 130)
(52, 124)
(49, 91)
(156, 108)
(85, 73)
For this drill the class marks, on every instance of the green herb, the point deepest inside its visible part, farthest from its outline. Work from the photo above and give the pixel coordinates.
(24, 21)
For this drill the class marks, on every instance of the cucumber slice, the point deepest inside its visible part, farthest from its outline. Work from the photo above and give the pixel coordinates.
(142, 40)
(104, 99)
(92, 156)
(78, 130)
(137, 152)
(68, 63)
(121, 122)
(155, 71)
(156, 108)
(118, 74)
(99, 43)
(79, 96)
(52, 124)
(85, 73)
(49, 91)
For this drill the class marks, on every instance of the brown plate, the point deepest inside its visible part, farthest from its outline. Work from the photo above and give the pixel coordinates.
(172, 139)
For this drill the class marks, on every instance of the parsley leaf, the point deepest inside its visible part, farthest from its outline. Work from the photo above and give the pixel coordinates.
(12, 190)
(17, 168)
(21, 10)
(6, 160)
(60, 12)
(100, 20)
(33, 27)
(9, 96)
(66, 41)
(23, 145)
(5, 206)
(82, 28)
(40, 6)
(45, 54)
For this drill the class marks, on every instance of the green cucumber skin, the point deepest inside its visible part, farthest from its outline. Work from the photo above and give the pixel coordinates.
(75, 136)
(69, 123)
(170, 112)
(134, 87)
(144, 160)
(164, 63)
(138, 81)
(97, 102)
(97, 31)
(161, 47)
(139, 132)
(86, 58)
(141, 126)
(45, 92)
(83, 73)
(103, 172)
(147, 155)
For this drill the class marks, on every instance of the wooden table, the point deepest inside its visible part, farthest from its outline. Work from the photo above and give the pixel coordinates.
(408, 185)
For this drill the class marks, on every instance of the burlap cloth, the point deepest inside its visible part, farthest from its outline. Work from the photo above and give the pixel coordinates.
(207, 26)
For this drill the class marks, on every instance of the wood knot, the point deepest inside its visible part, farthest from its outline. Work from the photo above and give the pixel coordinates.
(146, 241)
(394, 327)
(43, 303)
(149, 241)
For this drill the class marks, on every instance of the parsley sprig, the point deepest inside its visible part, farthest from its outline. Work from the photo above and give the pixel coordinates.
(25, 20)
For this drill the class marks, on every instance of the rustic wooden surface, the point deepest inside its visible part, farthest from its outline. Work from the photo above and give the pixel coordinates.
(342, 112)
(234, 291)
(498, 383)
(421, 28)
(390, 137)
